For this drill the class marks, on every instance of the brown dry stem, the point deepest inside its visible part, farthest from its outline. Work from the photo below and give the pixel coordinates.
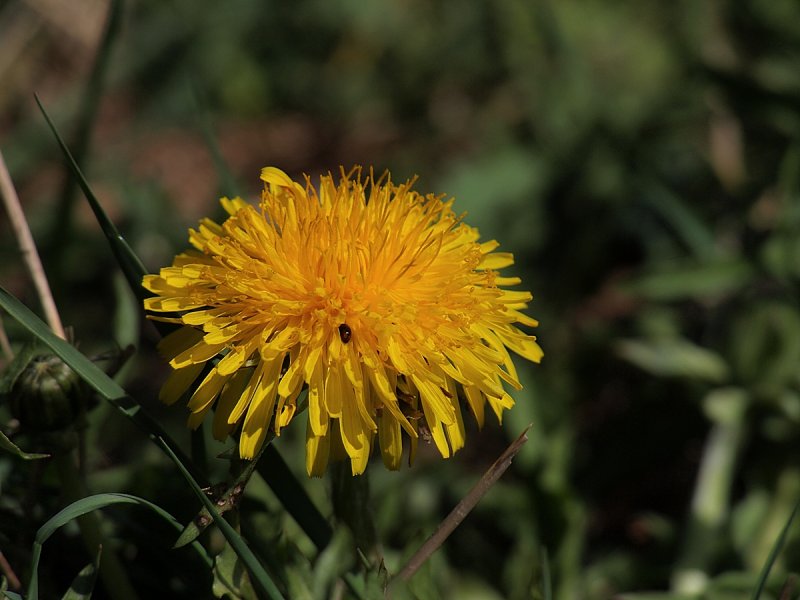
(462, 509)
(28, 248)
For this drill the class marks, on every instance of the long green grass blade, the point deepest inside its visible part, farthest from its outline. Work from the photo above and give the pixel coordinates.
(260, 577)
(83, 584)
(773, 554)
(131, 266)
(115, 394)
(80, 508)
(9, 446)
(275, 472)
(62, 224)
(93, 375)
(547, 585)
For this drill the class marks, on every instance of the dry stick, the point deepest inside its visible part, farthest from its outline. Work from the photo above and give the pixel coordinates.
(111, 571)
(13, 581)
(463, 508)
(28, 248)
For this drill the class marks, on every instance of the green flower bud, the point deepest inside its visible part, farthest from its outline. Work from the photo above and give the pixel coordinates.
(47, 395)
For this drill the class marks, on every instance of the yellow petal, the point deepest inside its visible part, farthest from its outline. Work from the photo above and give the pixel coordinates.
(179, 341)
(391, 442)
(228, 398)
(178, 382)
(476, 402)
(275, 176)
(207, 391)
(496, 260)
(317, 411)
(200, 352)
(317, 452)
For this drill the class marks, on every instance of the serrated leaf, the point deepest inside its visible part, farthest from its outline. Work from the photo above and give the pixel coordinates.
(674, 357)
(83, 585)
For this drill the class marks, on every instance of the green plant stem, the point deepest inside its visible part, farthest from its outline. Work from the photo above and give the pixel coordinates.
(710, 504)
(114, 577)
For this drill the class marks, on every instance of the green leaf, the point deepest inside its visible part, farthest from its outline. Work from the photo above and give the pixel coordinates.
(547, 585)
(680, 217)
(227, 500)
(773, 555)
(78, 509)
(115, 394)
(230, 577)
(83, 585)
(706, 280)
(89, 372)
(674, 357)
(9, 446)
(257, 571)
(273, 468)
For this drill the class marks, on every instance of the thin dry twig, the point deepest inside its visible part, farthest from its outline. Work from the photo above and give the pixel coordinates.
(464, 507)
(13, 581)
(28, 247)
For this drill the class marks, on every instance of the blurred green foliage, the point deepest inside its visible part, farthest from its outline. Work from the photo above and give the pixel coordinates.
(640, 159)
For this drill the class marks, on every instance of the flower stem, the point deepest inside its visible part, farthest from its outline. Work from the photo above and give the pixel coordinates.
(114, 577)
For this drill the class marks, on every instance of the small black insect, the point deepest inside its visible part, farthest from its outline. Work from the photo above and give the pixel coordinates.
(345, 333)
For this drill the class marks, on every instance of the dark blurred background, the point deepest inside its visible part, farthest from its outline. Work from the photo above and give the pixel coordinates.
(641, 161)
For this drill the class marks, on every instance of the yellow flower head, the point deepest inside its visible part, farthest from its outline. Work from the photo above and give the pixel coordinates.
(380, 301)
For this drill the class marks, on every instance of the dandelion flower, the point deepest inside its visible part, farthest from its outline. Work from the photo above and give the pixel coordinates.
(379, 301)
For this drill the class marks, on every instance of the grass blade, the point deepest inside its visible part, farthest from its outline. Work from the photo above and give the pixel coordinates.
(131, 266)
(260, 577)
(80, 508)
(117, 396)
(9, 446)
(773, 554)
(83, 584)
(91, 373)
(547, 584)
(278, 476)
